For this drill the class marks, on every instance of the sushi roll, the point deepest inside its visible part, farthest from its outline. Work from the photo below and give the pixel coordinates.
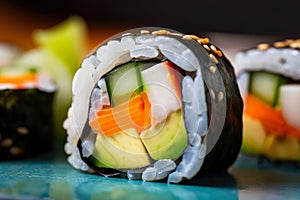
(154, 104)
(269, 80)
(26, 98)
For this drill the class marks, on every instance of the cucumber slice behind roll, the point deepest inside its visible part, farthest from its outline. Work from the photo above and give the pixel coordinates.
(265, 85)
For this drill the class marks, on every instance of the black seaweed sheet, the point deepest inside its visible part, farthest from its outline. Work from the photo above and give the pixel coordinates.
(26, 123)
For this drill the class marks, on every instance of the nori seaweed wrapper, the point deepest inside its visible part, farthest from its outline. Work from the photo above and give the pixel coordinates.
(26, 123)
(226, 146)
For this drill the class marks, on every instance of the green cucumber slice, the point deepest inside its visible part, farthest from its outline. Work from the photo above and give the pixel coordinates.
(265, 86)
(124, 82)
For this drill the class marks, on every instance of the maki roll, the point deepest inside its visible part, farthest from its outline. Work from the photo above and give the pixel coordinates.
(269, 80)
(26, 98)
(154, 104)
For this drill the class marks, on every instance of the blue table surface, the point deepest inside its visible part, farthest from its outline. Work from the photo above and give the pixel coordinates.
(52, 177)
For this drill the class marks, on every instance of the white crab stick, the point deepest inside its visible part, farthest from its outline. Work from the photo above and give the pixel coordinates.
(290, 104)
(161, 92)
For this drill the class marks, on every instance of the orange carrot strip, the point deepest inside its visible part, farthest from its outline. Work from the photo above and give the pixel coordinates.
(272, 119)
(140, 118)
(132, 114)
(120, 108)
(19, 79)
(109, 130)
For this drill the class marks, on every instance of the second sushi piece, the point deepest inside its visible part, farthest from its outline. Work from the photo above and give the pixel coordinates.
(26, 106)
(269, 79)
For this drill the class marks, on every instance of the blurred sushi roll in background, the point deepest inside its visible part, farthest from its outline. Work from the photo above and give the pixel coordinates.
(269, 80)
(154, 104)
(35, 88)
(26, 108)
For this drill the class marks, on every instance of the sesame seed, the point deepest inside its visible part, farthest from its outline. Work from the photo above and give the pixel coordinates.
(213, 58)
(289, 41)
(206, 47)
(161, 32)
(145, 32)
(191, 37)
(263, 46)
(212, 47)
(177, 34)
(282, 61)
(212, 94)
(16, 151)
(7, 142)
(22, 130)
(199, 41)
(218, 53)
(126, 34)
(212, 69)
(195, 37)
(279, 44)
(203, 40)
(220, 96)
(187, 37)
(295, 45)
(164, 32)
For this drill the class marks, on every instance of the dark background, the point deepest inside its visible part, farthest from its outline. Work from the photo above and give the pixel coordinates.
(250, 17)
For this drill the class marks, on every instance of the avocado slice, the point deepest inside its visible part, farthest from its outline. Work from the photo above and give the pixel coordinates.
(128, 149)
(282, 148)
(254, 136)
(122, 150)
(166, 140)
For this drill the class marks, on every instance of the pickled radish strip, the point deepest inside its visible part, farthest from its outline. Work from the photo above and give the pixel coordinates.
(271, 118)
(133, 114)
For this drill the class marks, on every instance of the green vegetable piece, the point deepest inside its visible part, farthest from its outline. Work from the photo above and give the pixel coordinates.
(126, 81)
(265, 86)
(254, 135)
(123, 150)
(66, 41)
(167, 140)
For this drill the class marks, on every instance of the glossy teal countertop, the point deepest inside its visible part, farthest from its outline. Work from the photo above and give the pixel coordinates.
(51, 177)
